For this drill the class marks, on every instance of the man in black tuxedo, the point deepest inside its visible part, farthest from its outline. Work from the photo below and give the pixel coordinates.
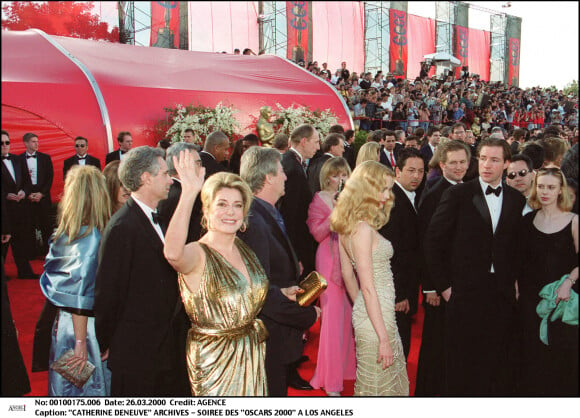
(215, 152)
(455, 157)
(332, 146)
(166, 208)
(140, 321)
(15, 188)
(40, 176)
(468, 249)
(387, 155)
(459, 133)
(433, 136)
(81, 157)
(402, 231)
(267, 236)
(349, 153)
(125, 141)
(294, 204)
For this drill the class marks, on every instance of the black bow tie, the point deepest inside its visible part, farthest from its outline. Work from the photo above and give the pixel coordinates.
(123, 152)
(30, 156)
(82, 158)
(491, 190)
(156, 218)
(5, 157)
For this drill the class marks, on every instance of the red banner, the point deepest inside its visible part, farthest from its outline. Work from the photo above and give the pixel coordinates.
(514, 62)
(461, 47)
(298, 22)
(165, 24)
(398, 47)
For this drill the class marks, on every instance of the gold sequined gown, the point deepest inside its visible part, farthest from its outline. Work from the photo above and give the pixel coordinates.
(371, 379)
(226, 343)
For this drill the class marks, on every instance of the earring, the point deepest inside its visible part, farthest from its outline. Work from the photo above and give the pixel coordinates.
(243, 227)
(204, 222)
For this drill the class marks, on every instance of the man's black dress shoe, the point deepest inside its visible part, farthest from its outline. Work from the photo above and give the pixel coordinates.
(298, 383)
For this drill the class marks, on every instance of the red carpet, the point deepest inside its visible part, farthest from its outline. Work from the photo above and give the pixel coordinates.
(26, 301)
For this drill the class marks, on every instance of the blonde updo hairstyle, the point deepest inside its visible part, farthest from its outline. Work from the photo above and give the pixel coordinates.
(368, 152)
(219, 181)
(359, 200)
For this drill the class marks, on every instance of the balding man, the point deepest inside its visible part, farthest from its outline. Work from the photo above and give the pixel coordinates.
(215, 151)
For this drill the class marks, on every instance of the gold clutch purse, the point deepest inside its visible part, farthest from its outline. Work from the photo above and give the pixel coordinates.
(60, 366)
(313, 285)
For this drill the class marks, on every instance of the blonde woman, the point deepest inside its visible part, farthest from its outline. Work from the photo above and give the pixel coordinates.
(68, 280)
(549, 239)
(368, 152)
(362, 209)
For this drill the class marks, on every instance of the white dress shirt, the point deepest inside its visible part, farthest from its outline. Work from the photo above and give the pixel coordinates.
(32, 164)
(410, 195)
(82, 161)
(148, 211)
(494, 205)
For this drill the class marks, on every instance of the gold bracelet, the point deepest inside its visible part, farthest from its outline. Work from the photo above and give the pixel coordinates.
(571, 281)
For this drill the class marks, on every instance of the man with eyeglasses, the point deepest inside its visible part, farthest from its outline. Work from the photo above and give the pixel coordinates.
(81, 157)
(520, 176)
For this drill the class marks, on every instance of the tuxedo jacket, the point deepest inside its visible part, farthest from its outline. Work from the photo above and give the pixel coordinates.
(384, 159)
(166, 209)
(284, 319)
(426, 153)
(294, 209)
(44, 174)
(402, 231)
(210, 164)
(74, 160)
(313, 171)
(429, 201)
(15, 210)
(113, 156)
(460, 244)
(139, 315)
(349, 155)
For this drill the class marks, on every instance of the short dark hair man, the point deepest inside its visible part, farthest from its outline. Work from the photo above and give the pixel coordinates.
(139, 317)
(125, 141)
(15, 187)
(455, 156)
(215, 152)
(403, 233)
(333, 146)
(40, 175)
(520, 176)
(467, 251)
(81, 156)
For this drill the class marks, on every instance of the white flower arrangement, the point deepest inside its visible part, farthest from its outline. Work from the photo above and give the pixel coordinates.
(286, 119)
(203, 120)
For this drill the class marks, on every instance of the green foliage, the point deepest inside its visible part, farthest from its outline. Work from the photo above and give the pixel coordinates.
(571, 88)
(359, 139)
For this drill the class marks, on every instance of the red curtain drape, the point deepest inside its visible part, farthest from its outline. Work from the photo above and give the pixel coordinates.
(399, 47)
(421, 38)
(338, 34)
(222, 26)
(514, 62)
(479, 47)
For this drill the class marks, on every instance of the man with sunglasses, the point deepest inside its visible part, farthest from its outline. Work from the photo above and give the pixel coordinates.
(520, 176)
(81, 157)
(15, 188)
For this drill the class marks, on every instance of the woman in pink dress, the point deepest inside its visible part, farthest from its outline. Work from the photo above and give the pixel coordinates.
(336, 356)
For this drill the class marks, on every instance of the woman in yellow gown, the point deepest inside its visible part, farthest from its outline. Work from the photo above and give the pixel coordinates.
(223, 285)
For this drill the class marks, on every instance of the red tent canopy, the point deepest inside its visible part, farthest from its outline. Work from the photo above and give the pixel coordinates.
(60, 88)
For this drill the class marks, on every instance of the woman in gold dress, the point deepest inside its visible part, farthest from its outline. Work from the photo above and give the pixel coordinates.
(362, 208)
(222, 283)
